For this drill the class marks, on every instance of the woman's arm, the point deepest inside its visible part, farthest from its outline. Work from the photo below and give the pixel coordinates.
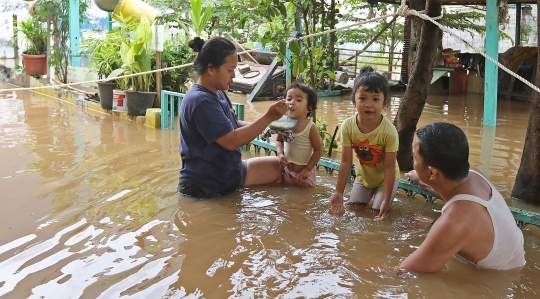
(245, 134)
(389, 181)
(242, 123)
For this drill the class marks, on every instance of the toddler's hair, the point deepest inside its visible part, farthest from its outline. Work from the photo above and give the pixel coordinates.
(372, 80)
(311, 95)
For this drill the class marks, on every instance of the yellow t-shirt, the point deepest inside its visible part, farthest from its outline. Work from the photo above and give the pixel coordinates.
(370, 149)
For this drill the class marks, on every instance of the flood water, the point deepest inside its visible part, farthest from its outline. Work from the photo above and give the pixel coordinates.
(89, 210)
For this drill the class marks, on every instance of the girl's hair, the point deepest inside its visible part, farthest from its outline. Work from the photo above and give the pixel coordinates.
(372, 80)
(213, 51)
(311, 95)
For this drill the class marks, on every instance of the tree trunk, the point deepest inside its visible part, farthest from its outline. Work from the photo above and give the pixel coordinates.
(527, 185)
(416, 94)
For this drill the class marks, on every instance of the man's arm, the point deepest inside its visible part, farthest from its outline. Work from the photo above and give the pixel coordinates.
(413, 176)
(445, 238)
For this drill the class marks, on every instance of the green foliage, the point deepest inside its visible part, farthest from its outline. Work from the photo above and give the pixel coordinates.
(35, 36)
(198, 18)
(136, 58)
(326, 137)
(103, 50)
(526, 30)
(465, 21)
(57, 13)
(175, 53)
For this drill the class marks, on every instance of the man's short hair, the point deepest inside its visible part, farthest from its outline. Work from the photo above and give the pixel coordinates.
(445, 147)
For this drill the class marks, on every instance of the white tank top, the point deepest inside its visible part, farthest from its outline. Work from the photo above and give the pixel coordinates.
(507, 251)
(301, 150)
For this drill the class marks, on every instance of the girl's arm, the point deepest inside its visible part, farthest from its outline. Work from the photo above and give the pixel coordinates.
(389, 180)
(280, 151)
(317, 144)
(336, 201)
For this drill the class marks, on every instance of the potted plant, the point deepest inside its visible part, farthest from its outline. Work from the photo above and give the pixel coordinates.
(35, 38)
(136, 58)
(55, 14)
(103, 54)
(175, 52)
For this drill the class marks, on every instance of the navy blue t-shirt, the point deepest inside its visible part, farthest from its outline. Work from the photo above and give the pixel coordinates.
(205, 117)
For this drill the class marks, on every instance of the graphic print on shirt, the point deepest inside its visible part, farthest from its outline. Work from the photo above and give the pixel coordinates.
(366, 153)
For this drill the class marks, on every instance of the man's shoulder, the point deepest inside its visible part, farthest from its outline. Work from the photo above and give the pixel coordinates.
(461, 215)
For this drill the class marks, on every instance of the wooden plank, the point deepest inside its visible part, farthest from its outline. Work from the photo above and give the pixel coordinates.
(261, 83)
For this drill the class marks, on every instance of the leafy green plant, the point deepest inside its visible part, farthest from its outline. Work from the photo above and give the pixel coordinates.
(136, 58)
(56, 13)
(174, 53)
(328, 140)
(35, 36)
(199, 18)
(103, 50)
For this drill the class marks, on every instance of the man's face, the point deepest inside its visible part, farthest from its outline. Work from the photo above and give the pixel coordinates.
(421, 168)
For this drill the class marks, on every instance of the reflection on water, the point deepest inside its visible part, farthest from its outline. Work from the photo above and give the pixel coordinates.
(90, 210)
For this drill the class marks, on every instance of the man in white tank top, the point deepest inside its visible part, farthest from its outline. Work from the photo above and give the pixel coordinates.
(475, 224)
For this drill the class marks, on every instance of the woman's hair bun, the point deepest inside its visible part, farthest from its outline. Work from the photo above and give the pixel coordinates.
(196, 44)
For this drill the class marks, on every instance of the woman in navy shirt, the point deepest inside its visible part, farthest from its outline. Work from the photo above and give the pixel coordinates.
(211, 134)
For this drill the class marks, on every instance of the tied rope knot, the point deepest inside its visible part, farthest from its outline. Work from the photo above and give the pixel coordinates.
(403, 10)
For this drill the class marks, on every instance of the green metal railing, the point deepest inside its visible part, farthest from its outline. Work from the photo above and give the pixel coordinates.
(168, 100)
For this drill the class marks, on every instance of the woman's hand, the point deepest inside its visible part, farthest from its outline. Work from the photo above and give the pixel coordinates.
(277, 110)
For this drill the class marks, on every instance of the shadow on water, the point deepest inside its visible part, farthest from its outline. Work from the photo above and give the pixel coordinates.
(90, 210)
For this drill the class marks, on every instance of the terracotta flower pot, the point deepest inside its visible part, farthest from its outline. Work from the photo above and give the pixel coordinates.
(35, 65)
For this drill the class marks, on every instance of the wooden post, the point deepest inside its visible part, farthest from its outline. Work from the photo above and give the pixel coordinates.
(49, 47)
(15, 34)
(491, 72)
(158, 78)
(517, 38)
(243, 49)
(355, 64)
(288, 62)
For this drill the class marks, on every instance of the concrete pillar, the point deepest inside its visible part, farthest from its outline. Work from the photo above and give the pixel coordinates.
(491, 75)
(74, 32)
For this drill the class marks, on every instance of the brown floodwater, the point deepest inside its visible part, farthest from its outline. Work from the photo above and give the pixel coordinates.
(89, 210)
